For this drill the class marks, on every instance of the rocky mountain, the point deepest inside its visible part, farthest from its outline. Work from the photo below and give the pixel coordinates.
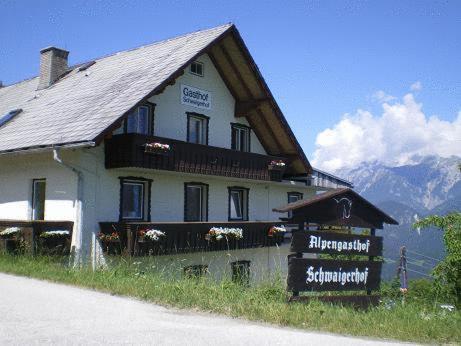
(428, 185)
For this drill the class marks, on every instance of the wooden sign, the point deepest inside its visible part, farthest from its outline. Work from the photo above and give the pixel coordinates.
(330, 275)
(336, 243)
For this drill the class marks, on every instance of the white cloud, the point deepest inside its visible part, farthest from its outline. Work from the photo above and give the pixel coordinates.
(393, 137)
(381, 96)
(416, 86)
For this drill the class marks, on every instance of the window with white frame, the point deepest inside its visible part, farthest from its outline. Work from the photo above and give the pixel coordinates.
(293, 197)
(134, 199)
(140, 121)
(240, 137)
(38, 199)
(197, 68)
(238, 203)
(196, 202)
(197, 128)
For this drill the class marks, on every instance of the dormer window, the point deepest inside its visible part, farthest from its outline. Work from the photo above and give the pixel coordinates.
(140, 121)
(197, 68)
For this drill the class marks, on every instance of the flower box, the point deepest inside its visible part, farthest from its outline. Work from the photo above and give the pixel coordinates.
(157, 148)
(276, 169)
(111, 243)
(55, 234)
(276, 165)
(276, 230)
(218, 233)
(150, 235)
(11, 233)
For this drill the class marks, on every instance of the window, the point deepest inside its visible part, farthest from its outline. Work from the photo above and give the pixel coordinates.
(135, 199)
(197, 68)
(38, 199)
(241, 272)
(294, 197)
(196, 202)
(140, 121)
(240, 137)
(238, 203)
(197, 128)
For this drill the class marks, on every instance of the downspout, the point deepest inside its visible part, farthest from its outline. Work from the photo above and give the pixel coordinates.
(79, 213)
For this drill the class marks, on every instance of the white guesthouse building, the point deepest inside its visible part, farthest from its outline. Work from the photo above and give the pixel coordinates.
(182, 132)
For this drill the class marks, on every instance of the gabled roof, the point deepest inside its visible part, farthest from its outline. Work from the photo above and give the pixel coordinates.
(338, 207)
(85, 105)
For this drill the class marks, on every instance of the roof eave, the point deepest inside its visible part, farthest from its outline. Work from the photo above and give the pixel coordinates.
(282, 118)
(44, 148)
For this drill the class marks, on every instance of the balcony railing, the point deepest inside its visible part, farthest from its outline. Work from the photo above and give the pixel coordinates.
(128, 150)
(185, 237)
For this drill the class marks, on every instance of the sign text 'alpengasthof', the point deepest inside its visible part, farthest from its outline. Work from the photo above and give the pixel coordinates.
(336, 243)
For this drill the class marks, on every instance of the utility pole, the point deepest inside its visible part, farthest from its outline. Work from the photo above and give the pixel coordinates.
(402, 272)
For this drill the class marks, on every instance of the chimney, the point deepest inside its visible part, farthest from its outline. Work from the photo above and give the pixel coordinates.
(53, 63)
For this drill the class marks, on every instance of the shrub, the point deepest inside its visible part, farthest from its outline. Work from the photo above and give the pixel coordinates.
(447, 273)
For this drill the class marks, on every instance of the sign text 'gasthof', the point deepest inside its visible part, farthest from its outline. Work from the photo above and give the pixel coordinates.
(195, 97)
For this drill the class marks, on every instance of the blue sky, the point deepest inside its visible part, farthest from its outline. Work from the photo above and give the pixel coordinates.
(321, 59)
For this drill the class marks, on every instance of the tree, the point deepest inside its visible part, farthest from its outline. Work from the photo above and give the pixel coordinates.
(447, 273)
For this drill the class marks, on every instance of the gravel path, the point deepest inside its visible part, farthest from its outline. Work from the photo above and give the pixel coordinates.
(38, 312)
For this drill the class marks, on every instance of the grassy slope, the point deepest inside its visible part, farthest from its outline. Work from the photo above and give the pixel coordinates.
(415, 321)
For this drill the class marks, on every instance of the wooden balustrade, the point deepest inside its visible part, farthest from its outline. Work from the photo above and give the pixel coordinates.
(185, 237)
(128, 150)
(30, 238)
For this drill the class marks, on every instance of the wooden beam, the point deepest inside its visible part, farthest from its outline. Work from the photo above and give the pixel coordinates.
(242, 108)
(259, 134)
(236, 71)
(269, 129)
(262, 83)
(223, 75)
(249, 94)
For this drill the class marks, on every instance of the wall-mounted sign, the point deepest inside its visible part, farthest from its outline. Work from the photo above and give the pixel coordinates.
(330, 275)
(195, 97)
(336, 243)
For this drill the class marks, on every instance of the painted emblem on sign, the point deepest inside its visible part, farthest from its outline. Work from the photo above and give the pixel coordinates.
(345, 206)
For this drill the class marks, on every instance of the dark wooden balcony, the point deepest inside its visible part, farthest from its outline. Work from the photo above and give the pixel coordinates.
(128, 150)
(186, 237)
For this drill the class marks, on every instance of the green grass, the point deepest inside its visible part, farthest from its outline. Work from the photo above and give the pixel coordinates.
(419, 319)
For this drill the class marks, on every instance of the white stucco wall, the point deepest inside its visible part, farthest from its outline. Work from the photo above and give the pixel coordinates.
(101, 195)
(170, 115)
(102, 190)
(16, 175)
(167, 193)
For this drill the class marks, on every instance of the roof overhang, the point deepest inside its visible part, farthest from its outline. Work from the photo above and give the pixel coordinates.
(339, 207)
(44, 148)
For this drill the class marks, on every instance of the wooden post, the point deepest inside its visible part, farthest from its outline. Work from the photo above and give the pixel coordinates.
(129, 240)
(371, 258)
(29, 240)
(299, 254)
